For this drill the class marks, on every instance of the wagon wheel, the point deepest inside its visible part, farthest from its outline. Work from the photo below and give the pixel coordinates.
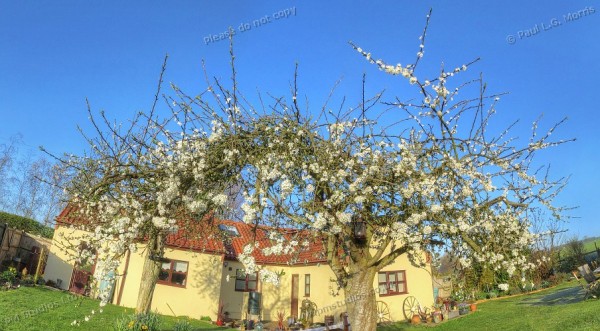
(410, 307)
(383, 313)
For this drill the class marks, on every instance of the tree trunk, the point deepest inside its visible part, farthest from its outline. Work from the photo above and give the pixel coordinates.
(360, 300)
(152, 264)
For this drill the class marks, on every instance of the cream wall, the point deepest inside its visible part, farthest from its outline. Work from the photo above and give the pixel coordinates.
(330, 301)
(199, 297)
(418, 283)
(60, 257)
(207, 284)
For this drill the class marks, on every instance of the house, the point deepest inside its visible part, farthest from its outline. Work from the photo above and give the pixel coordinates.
(198, 274)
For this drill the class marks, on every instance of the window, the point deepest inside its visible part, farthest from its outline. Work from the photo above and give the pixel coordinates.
(307, 285)
(173, 273)
(230, 230)
(245, 283)
(392, 282)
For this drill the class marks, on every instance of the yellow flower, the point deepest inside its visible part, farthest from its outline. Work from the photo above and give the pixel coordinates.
(131, 324)
(144, 327)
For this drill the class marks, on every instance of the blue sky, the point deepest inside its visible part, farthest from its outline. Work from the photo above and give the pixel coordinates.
(54, 54)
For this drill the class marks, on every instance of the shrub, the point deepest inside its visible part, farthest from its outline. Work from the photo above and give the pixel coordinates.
(558, 278)
(183, 325)
(481, 295)
(138, 322)
(8, 276)
(41, 281)
(492, 294)
(206, 318)
(27, 281)
(26, 224)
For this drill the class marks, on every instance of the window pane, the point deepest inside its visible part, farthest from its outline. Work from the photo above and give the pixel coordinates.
(383, 289)
(392, 277)
(382, 277)
(240, 285)
(180, 266)
(401, 276)
(163, 275)
(178, 278)
(307, 279)
(252, 277)
(166, 266)
(401, 288)
(252, 285)
(239, 274)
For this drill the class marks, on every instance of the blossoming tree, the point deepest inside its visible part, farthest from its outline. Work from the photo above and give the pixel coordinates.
(142, 183)
(366, 190)
(370, 191)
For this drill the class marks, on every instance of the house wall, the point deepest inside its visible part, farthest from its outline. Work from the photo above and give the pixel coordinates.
(59, 266)
(199, 297)
(207, 285)
(323, 291)
(418, 282)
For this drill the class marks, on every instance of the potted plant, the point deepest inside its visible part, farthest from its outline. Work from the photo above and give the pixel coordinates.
(473, 306)
(280, 321)
(463, 308)
(220, 314)
(416, 319)
(437, 316)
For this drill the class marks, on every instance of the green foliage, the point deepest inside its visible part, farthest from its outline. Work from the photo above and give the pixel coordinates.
(8, 276)
(139, 322)
(26, 224)
(27, 280)
(205, 318)
(183, 325)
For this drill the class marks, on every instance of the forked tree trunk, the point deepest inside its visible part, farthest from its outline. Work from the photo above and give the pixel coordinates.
(360, 300)
(150, 273)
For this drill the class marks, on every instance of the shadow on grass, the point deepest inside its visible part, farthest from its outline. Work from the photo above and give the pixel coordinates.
(562, 297)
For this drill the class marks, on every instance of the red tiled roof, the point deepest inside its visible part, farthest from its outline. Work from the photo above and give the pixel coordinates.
(206, 237)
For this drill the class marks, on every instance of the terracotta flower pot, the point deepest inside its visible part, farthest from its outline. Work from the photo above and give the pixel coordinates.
(473, 307)
(416, 319)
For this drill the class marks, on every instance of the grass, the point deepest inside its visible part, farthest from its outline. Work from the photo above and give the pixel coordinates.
(559, 308)
(43, 309)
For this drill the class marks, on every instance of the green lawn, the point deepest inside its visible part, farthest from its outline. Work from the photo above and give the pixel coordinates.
(559, 308)
(39, 308)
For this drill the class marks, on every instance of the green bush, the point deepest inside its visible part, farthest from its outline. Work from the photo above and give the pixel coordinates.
(26, 224)
(206, 318)
(27, 281)
(492, 294)
(480, 295)
(138, 322)
(8, 276)
(183, 325)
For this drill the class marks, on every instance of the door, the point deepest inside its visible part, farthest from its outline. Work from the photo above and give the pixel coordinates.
(295, 291)
(79, 281)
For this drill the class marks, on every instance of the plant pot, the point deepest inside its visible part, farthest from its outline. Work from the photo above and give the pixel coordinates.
(219, 322)
(473, 307)
(416, 319)
(437, 317)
